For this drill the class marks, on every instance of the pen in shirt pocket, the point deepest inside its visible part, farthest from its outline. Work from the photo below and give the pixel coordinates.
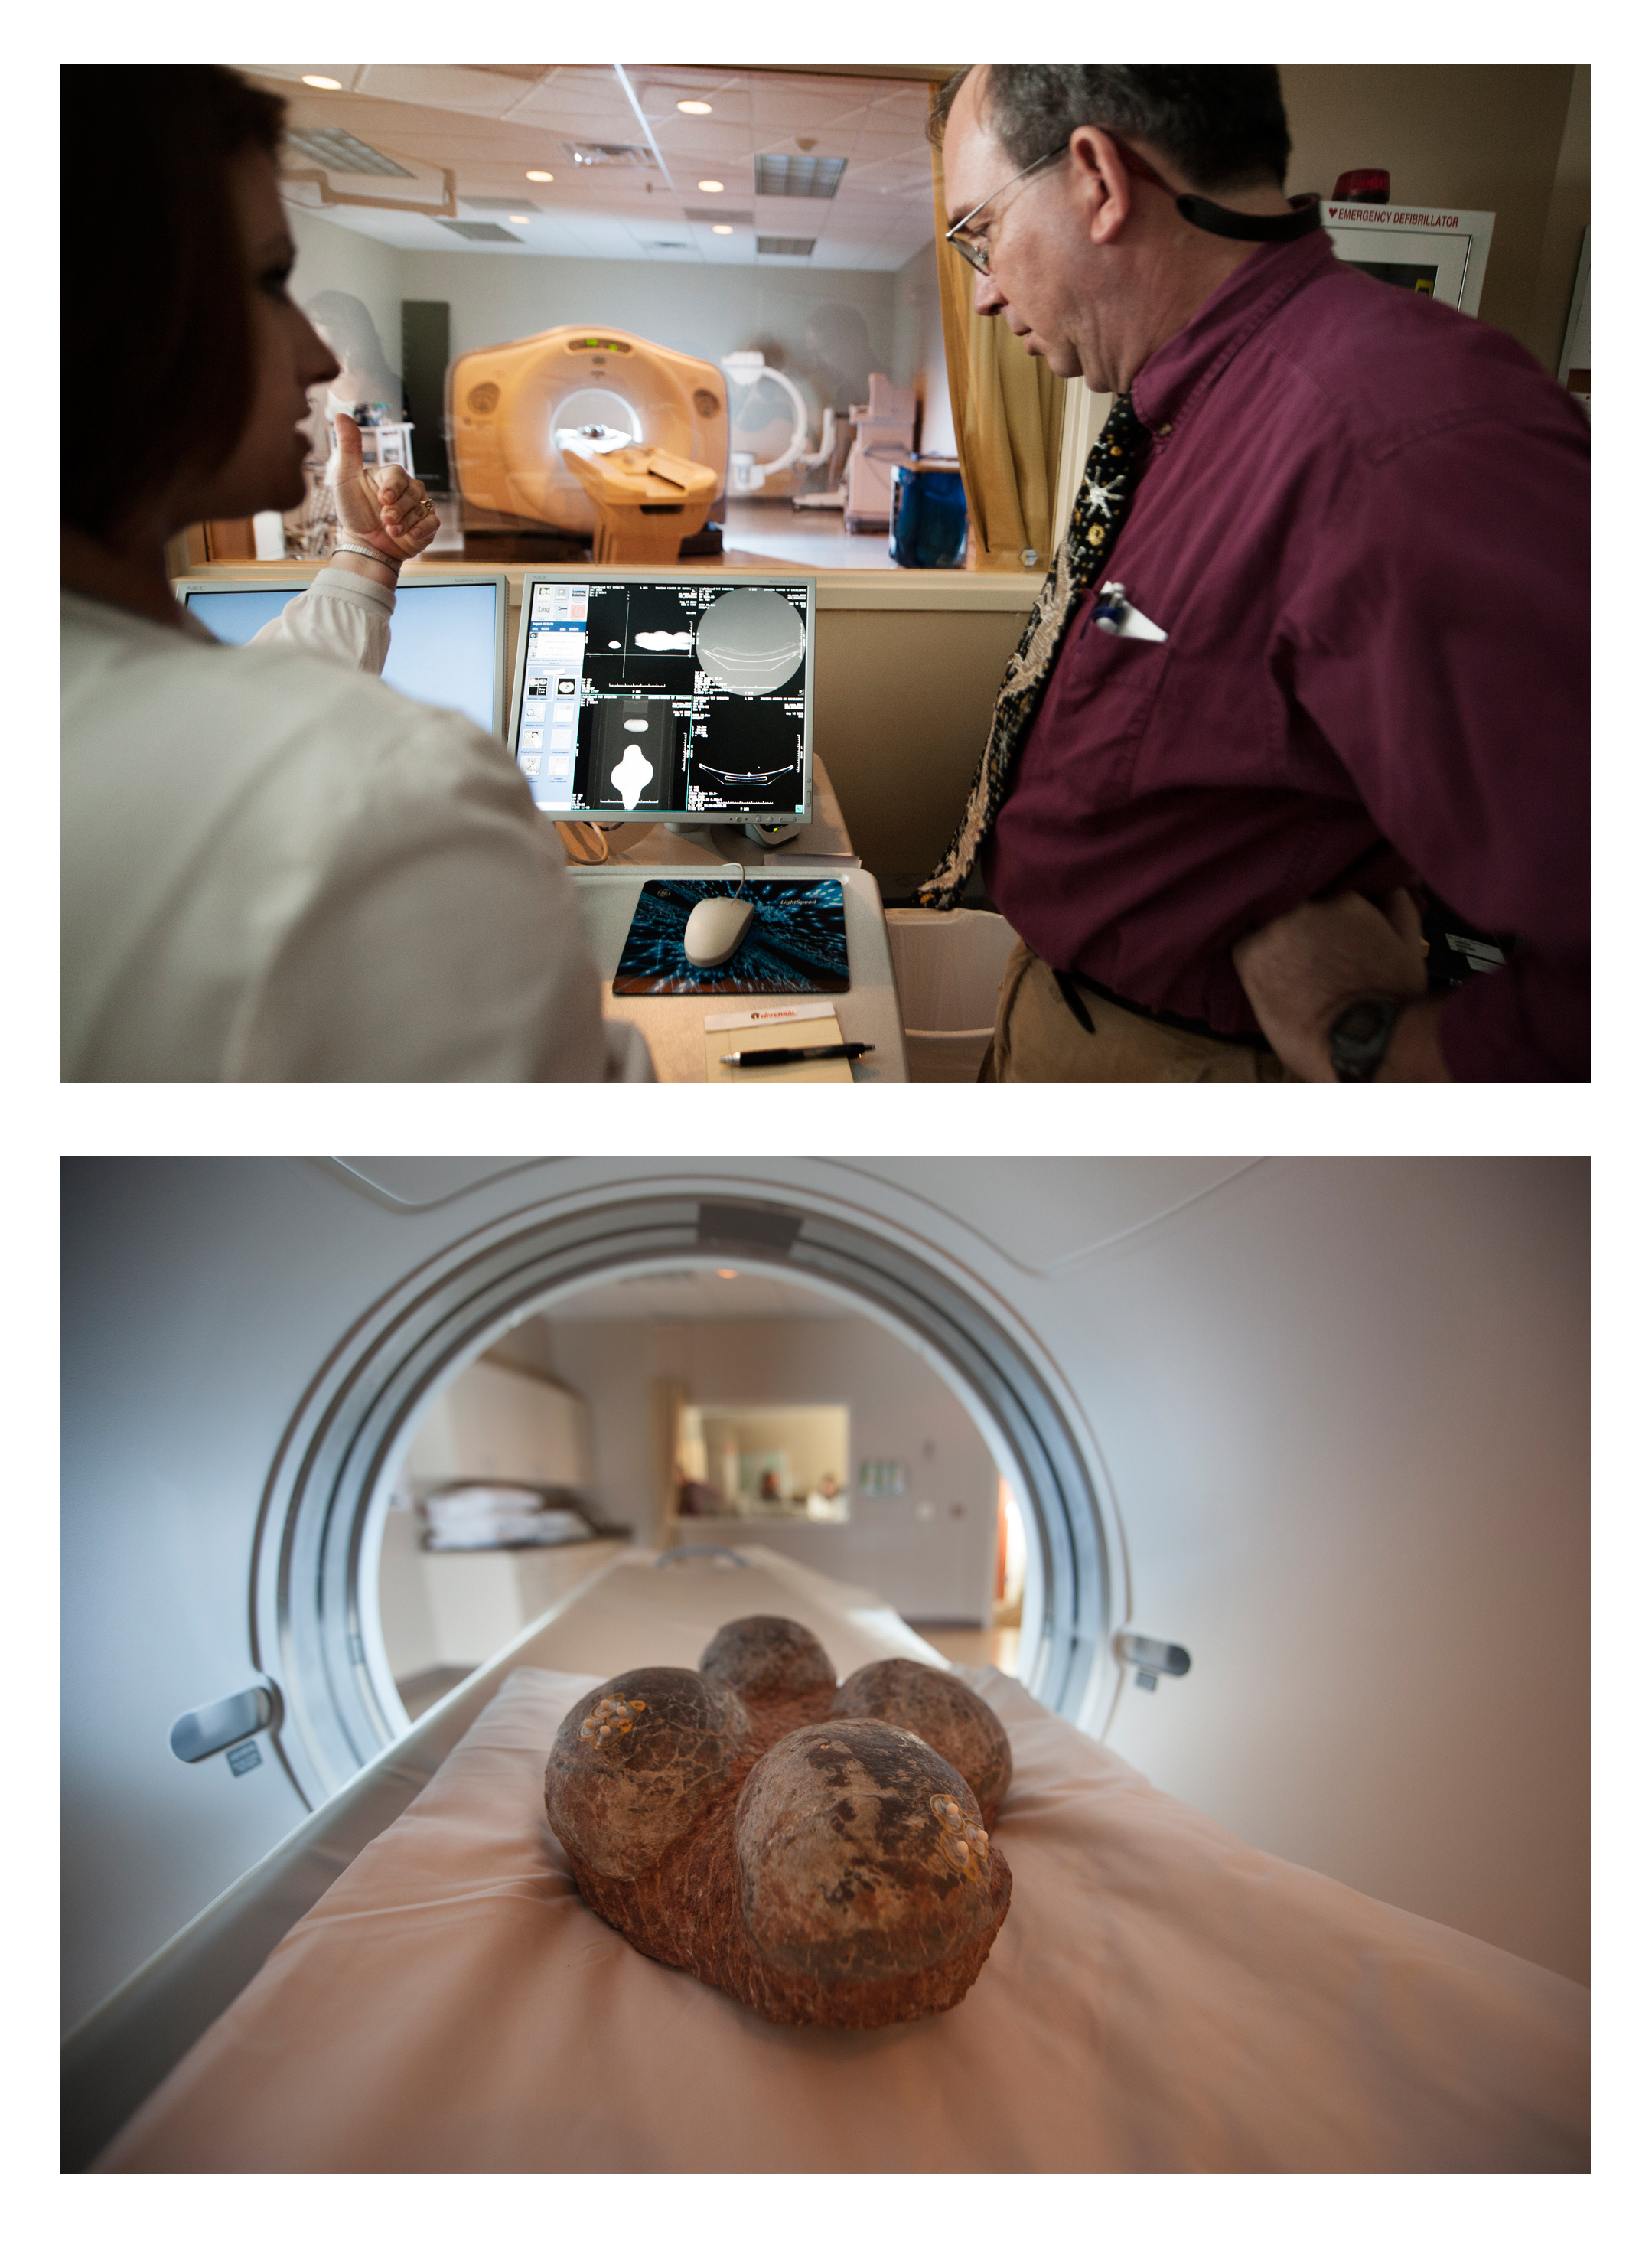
(1114, 613)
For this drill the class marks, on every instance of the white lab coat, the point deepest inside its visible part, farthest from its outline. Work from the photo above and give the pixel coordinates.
(274, 868)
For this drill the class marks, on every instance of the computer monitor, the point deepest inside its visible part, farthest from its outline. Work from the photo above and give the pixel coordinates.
(447, 636)
(644, 695)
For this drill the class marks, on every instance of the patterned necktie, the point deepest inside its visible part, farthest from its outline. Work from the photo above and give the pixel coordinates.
(1110, 475)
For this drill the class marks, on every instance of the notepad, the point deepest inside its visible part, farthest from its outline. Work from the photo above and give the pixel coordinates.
(799, 1023)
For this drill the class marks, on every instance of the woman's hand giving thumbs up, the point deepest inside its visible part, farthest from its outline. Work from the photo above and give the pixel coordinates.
(380, 504)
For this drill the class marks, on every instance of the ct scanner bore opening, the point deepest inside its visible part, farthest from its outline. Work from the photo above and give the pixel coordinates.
(707, 1412)
(323, 1520)
(595, 405)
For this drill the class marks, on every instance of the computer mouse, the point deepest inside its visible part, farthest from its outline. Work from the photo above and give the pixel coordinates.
(715, 930)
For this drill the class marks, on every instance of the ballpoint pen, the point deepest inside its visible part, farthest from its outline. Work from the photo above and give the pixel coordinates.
(1111, 607)
(762, 1058)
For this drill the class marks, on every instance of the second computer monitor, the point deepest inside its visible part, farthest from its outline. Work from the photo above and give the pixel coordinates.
(447, 636)
(637, 696)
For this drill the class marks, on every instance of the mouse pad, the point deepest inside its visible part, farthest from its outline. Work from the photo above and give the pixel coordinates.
(796, 942)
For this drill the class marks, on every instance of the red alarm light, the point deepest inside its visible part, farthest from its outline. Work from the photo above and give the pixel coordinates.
(1366, 186)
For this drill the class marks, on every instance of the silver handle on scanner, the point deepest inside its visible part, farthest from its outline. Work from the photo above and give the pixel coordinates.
(1151, 1658)
(203, 1732)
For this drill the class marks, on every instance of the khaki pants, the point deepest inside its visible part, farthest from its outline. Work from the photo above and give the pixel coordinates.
(1039, 1038)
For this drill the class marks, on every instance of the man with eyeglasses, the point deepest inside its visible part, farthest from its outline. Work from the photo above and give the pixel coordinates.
(1314, 653)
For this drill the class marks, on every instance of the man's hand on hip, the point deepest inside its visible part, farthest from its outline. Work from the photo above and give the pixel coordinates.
(1302, 970)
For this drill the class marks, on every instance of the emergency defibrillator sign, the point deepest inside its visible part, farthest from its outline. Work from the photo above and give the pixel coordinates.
(1438, 252)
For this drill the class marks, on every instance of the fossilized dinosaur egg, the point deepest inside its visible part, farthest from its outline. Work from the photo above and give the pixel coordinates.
(862, 1854)
(940, 1707)
(767, 1659)
(634, 1765)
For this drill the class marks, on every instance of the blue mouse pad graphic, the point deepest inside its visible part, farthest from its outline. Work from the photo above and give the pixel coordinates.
(796, 942)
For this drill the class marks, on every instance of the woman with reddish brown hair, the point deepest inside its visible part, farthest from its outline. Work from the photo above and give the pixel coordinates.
(273, 866)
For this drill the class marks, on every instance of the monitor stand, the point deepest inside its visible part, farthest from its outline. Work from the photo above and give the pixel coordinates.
(691, 830)
(704, 836)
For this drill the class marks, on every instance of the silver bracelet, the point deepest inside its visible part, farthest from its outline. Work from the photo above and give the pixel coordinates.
(365, 550)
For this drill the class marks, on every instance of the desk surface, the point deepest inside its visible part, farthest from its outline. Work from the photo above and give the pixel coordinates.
(674, 1023)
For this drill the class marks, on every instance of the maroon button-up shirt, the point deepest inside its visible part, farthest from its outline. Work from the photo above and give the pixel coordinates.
(1364, 526)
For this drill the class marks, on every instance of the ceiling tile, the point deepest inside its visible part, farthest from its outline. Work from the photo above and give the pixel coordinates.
(702, 141)
(491, 127)
(439, 86)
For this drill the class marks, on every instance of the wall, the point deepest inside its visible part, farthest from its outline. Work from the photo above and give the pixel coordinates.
(903, 702)
(923, 344)
(1486, 136)
(705, 310)
(454, 1609)
(938, 1567)
(405, 1610)
(333, 259)
(1563, 238)
(499, 1419)
(494, 1424)
(1358, 1495)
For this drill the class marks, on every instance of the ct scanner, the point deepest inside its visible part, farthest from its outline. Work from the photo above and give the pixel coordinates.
(505, 405)
(1321, 1425)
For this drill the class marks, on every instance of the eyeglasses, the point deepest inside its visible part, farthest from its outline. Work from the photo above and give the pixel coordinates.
(976, 253)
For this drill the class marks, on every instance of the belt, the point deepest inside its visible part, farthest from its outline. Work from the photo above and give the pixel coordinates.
(1069, 983)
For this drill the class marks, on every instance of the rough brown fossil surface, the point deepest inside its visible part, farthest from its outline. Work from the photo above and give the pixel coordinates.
(822, 1863)
(956, 1722)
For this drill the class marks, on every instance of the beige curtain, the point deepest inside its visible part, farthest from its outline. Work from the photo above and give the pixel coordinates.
(1007, 411)
(669, 1398)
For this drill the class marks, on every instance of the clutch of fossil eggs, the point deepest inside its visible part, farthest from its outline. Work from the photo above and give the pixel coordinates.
(820, 1852)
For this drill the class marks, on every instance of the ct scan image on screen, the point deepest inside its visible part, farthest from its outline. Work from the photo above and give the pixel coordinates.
(665, 699)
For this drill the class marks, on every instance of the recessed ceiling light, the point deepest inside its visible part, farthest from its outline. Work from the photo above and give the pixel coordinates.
(710, 188)
(696, 109)
(721, 228)
(332, 85)
(516, 216)
(541, 176)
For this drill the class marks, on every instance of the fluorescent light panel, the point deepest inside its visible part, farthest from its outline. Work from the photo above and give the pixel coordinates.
(341, 153)
(798, 177)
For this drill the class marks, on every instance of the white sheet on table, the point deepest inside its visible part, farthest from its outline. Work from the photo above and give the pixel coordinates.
(1161, 1998)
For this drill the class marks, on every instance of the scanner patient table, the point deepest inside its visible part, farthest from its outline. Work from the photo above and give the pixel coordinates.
(1161, 1998)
